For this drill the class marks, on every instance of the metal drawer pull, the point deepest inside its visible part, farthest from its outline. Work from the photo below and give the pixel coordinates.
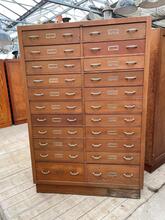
(96, 145)
(128, 175)
(33, 36)
(96, 119)
(95, 48)
(69, 65)
(43, 144)
(71, 120)
(96, 106)
(68, 50)
(67, 35)
(129, 119)
(38, 80)
(72, 132)
(72, 145)
(40, 107)
(42, 132)
(74, 173)
(96, 157)
(41, 119)
(128, 157)
(38, 94)
(71, 107)
(69, 80)
(96, 132)
(131, 46)
(45, 172)
(131, 62)
(97, 174)
(37, 67)
(96, 93)
(95, 33)
(44, 155)
(96, 79)
(70, 93)
(95, 64)
(130, 92)
(129, 145)
(129, 106)
(73, 156)
(129, 133)
(130, 77)
(35, 52)
(132, 30)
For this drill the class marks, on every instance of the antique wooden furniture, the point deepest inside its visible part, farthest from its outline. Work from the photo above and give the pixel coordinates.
(87, 96)
(5, 115)
(16, 88)
(155, 133)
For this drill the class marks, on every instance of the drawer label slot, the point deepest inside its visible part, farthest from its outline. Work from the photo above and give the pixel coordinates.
(59, 155)
(112, 132)
(113, 78)
(112, 144)
(52, 66)
(57, 131)
(113, 48)
(113, 31)
(55, 107)
(113, 63)
(112, 157)
(58, 144)
(50, 35)
(112, 92)
(53, 80)
(54, 93)
(112, 106)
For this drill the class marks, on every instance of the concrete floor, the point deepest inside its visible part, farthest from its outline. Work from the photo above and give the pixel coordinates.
(19, 200)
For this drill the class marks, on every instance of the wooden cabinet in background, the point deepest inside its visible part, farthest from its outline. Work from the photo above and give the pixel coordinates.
(16, 91)
(5, 115)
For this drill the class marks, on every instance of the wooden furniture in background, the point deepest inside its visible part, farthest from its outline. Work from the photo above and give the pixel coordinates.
(155, 133)
(16, 86)
(87, 86)
(5, 114)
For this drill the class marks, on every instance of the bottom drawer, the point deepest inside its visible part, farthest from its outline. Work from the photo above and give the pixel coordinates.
(59, 172)
(113, 174)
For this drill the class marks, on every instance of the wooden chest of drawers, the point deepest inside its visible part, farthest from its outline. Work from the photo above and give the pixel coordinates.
(87, 95)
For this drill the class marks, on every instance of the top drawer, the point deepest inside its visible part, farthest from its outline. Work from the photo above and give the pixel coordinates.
(114, 32)
(53, 36)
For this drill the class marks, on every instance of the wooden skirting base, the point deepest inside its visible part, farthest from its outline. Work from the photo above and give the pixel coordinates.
(84, 190)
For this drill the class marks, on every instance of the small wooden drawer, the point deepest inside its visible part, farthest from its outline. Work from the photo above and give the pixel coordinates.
(51, 36)
(108, 107)
(132, 78)
(114, 32)
(56, 107)
(60, 171)
(113, 158)
(114, 93)
(56, 132)
(112, 133)
(70, 80)
(58, 144)
(55, 94)
(95, 144)
(113, 63)
(59, 156)
(56, 120)
(52, 52)
(114, 174)
(114, 48)
(53, 67)
(113, 120)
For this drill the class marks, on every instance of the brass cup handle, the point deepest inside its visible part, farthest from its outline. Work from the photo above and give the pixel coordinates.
(41, 119)
(129, 158)
(43, 144)
(73, 156)
(98, 157)
(35, 52)
(44, 155)
(96, 79)
(95, 65)
(130, 77)
(131, 62)
(95, 119)
(72, 145)
(96, 106)
(129, 119)
(40, 107)
(38, 94)
(36, 67)
(68, 50)
(45, 172)
(130, 92)
(129, 106)
(70, 80)
(33, 36)
(129, 133)
(71, 107)
(128, 175)
(97, 174)
(95, 33)
(132, 30)
(95, 48)
(69, 65)
(70, 93)
(42, 132)
(67, 35)
(71, 120)
(96, 145)
(72, 132)
(131, 46)
(96, 132)
(129, 145)
(96, 93)
(38, 80)
(74, 173)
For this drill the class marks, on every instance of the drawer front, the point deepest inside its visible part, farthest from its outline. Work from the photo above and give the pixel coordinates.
(59, 156)
(113, 158)
(94, 144)
(113, 120)
(114, 48)
(112, 133)
(53, 67)
(114, 174)
(58, 144)
(52, 36)
(52, 52)
(55, 94)
(56, 132)
(57, 120)
(114, 93)
(106, 107)
(55, 81)
(115, 63)
(114, 79)
(60, 171)
(114, 32)
(56, 107)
